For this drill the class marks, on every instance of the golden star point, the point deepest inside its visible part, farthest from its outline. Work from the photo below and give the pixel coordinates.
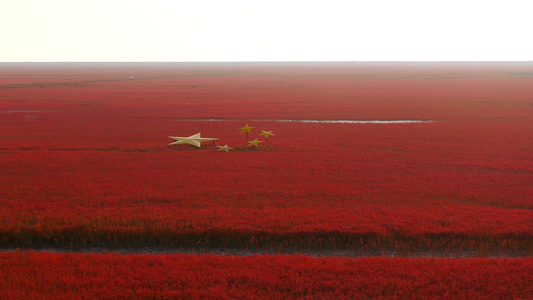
(254, 143)
(224, 148)
(266, 134)
(246, 129)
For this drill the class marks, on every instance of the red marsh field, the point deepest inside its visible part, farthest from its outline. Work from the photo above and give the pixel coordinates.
(373, 159)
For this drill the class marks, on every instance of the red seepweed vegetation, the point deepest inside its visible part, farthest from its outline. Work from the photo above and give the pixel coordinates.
(37, 275)
(84, 158)
(84, 163)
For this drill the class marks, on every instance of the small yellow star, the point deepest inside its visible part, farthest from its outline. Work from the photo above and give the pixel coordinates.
(246, 129)
(266, 134)
(254, 143)
(224, 148)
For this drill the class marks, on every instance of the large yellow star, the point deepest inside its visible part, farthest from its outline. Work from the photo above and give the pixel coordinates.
(254, 143)
(246, 129)
(224, 148)
(194, 140)
(266, 134)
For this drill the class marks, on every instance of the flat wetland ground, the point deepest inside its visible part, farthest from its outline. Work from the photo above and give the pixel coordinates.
(85, 167)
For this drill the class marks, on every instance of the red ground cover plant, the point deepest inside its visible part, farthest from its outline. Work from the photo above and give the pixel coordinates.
(34, 275)
(84, 160)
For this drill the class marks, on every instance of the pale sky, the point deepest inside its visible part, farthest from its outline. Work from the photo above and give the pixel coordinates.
(248, 30)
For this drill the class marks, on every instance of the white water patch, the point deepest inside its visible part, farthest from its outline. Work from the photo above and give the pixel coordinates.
(320, 121)
(207, 120)
(29, 111)
(353, 121)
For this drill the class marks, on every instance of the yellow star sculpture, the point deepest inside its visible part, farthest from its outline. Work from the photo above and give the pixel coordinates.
(246, 129)
(224, 148)
(266, 134)
(254, 143)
